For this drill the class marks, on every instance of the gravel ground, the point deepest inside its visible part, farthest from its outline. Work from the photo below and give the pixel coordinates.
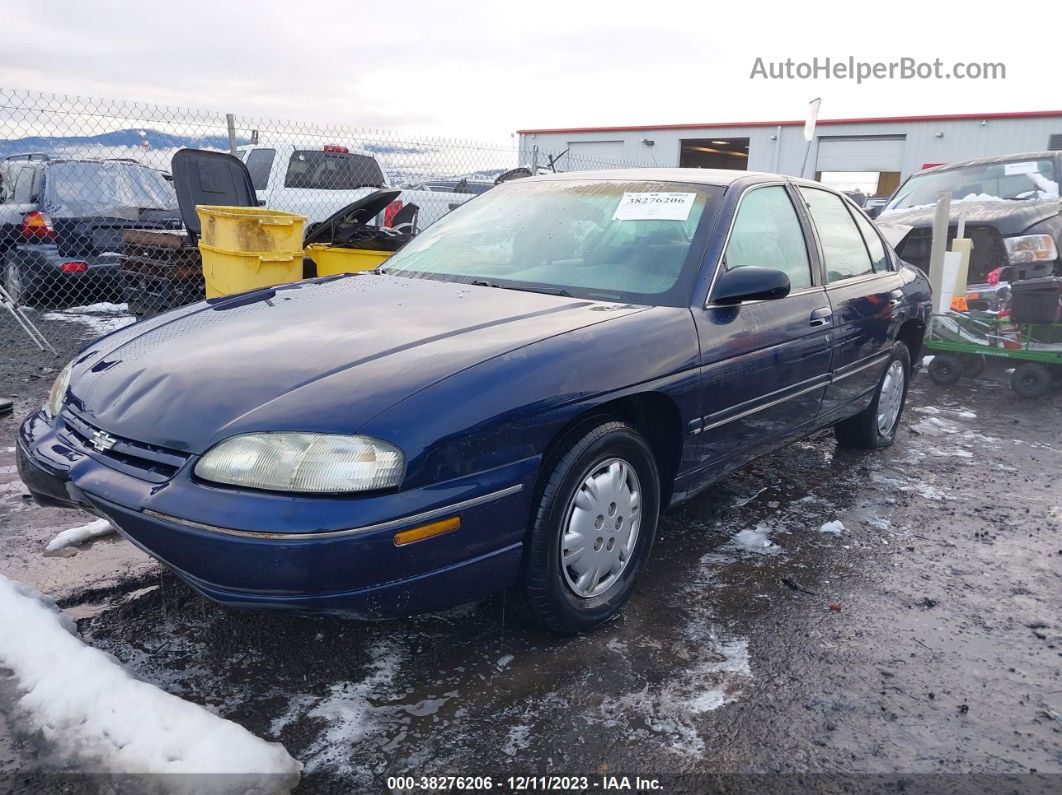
(922, 636)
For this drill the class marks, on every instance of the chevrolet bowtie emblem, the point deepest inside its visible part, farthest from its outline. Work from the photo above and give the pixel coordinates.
(102, 441)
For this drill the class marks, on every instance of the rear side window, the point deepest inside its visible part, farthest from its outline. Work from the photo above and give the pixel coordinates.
(767, 234)
(842, 243)
(879, 259)
(24, 183)
(332, 171)
(259, 162)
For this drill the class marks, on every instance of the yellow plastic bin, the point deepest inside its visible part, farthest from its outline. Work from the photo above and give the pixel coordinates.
(331, 260)
(245, 248)
(251, 229)
(228, 272)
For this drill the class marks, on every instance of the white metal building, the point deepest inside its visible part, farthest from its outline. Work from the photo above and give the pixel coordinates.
(873, 155)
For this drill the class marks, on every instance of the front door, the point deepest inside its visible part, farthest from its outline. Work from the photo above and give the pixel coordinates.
(864, 292)
(764, 364)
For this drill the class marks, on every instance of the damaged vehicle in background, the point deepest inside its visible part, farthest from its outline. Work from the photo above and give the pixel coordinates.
(62, 222)
(509, 402)
(1013, 216)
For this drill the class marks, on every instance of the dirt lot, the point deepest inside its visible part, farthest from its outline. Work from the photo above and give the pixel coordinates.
(922, 637)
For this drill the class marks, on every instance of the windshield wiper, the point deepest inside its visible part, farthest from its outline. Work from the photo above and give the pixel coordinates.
(544, 290)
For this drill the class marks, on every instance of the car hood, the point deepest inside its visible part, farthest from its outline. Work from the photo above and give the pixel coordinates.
(1008, 217)
(324, 355)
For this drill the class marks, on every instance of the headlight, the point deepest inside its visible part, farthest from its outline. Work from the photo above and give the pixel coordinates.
(304, 462)
(58, 393)
(1030, 248)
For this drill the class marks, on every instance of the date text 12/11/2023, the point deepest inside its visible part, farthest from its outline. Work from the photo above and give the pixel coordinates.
(411, 784)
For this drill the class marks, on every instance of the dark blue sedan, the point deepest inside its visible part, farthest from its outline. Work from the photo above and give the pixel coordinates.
(510, 402)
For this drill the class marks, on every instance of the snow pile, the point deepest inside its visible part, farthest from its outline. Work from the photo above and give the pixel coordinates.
(84, 701)
(80, 534)
(834, 528)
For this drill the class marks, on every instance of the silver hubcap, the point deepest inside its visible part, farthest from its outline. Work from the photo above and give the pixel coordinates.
(891, 398)
(602, 528)
(13, 282)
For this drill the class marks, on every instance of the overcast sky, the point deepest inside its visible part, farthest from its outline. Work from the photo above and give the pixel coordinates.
(480, 70)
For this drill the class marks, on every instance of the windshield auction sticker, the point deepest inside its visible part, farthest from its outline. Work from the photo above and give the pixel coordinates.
(654, 207)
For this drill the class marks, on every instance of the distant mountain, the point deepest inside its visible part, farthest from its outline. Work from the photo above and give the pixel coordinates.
(133, 138)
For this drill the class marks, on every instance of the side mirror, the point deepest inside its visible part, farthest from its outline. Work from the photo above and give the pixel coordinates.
(750, 284)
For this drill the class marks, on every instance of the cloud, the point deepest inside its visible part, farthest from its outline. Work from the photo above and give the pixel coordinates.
(479, 70)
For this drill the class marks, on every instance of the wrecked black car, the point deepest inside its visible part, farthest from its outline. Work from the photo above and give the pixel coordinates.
(1012, 215)
(62, 222)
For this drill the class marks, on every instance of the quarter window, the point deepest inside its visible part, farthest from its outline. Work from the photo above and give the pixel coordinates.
(879, 259)
(259, 163)
(767, 233)
(24, 185)
(843, 247)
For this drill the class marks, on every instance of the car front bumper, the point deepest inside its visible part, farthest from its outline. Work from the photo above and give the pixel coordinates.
(312, 554)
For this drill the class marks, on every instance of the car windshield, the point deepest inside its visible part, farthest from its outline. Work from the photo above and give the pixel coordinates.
(1017, 180)
(608, 240)
(82, 188)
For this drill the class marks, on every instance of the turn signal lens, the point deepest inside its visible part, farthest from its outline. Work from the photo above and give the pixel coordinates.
(426, 531)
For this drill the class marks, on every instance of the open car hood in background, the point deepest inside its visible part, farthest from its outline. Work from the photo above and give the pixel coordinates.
(360, 212)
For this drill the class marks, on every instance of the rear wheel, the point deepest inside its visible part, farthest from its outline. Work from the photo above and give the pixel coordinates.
(945, 369)
(22, 288)
(1031, 380)
(876, 425)
(592, 529)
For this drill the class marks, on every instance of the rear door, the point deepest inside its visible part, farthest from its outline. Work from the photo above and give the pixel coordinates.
(864, 293)
(764, 364)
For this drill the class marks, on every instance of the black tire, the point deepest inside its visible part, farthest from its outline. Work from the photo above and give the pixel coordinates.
(945, 369)
(861, 432)
(543, 592)
(1031, 380)
(974, 365)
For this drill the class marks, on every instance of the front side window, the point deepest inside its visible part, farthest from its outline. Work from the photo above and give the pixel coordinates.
(767, 234)
(597, 239)
(320, 170)
(259, 163)
(843, 248)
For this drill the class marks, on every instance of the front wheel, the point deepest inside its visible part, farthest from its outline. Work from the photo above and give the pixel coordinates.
(592, 528)
(876, 425)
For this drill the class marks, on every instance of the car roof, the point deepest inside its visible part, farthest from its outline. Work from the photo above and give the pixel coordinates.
(694, 176)
(987, 161)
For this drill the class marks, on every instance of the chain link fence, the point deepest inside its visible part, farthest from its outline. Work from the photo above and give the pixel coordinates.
(91, 233)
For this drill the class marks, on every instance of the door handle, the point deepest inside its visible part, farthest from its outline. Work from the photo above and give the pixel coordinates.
(895, 298)
(821, 317)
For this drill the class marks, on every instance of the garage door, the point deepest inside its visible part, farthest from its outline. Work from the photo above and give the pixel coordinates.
(861, 153)
(595, 154)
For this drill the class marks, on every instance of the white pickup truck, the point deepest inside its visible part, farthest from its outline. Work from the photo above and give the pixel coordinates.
(319, 182)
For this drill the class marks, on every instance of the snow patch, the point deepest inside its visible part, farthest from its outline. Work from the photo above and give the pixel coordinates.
(102, 318)
(87, 704)
(834, 528)
(80, 534)
(519, 740)
(757, 540)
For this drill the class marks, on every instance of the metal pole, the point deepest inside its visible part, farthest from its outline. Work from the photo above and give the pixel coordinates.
(23, 320)
(230, 119)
